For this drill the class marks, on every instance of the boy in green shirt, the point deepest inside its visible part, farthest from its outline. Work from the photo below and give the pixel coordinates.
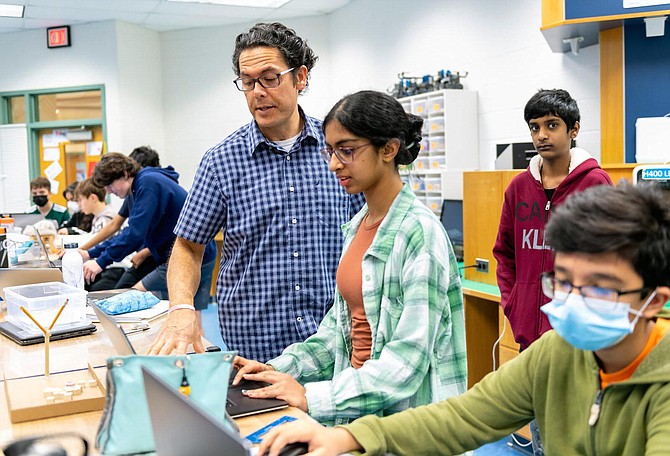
(598, 384)
(40, 190)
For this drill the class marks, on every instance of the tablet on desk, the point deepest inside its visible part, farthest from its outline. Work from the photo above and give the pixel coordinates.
(24, 337)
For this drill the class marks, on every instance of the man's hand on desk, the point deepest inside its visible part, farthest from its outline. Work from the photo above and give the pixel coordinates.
(91, 270)
(322, 441)
(84, 254)
(179, 330)
(283, 387)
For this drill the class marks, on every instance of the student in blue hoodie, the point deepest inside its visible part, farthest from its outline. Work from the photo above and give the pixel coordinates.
(158, 200)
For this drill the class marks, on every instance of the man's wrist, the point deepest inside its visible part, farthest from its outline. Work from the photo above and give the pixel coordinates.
(181, 307)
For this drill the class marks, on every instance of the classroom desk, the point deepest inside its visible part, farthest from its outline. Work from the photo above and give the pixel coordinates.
(482, 303)
(484, 322)
(73, 354)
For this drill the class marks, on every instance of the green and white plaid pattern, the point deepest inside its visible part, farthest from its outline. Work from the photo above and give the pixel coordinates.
(414, 304)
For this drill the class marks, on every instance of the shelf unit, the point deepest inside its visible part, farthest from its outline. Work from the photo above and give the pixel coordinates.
(449, 145)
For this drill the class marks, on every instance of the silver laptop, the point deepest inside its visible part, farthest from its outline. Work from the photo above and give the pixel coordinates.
(171, 413)
(114, 331)
(11, 277)
(23, 220)
(237, 403)
(52, 263)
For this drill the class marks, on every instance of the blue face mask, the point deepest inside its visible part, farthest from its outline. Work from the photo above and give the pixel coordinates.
(590, 323)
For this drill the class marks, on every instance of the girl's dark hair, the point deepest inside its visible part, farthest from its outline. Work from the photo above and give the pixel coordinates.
(630, 221)
(380, 118)
(557, 102)
(294, 49)
(70, 188)
(113, 166)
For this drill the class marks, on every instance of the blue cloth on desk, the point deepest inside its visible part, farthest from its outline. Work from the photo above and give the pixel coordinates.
(130, 301)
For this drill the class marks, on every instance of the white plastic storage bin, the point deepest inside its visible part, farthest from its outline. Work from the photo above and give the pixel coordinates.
(43, 301)
(436, 144)
(437, 162)
(436, 105)
(420, 108)
(433, 184)
(434, 203)
(435, 125)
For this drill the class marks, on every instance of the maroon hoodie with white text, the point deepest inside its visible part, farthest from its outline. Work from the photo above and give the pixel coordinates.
(520, 249)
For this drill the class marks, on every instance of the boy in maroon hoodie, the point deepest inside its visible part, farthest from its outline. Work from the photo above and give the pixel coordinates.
(557, 171)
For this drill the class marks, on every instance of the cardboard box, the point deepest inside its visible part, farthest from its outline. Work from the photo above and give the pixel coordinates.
(26, 401)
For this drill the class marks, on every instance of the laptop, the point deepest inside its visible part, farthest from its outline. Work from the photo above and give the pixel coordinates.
(171, 412)
(24, 337)
(237, 404)
(58, 263)
(23, 220)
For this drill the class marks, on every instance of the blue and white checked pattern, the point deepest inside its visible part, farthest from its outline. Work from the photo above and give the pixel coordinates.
(281, 215)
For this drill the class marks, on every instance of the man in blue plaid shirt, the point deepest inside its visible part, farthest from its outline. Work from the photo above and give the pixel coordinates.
(279, 207)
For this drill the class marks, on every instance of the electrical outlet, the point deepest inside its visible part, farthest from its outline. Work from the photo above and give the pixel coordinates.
(482, 265)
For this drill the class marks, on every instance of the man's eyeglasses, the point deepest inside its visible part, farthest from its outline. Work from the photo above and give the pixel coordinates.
(560, 289)
(343, 154)
(267, 81)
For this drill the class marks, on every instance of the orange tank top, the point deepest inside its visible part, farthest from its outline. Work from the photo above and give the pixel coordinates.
(657, 333)
(350, 285)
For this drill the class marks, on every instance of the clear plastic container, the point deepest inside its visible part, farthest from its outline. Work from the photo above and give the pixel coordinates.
(43, 301)
(433, 184)
(437, 162)
(436, 144)
(435, 124)
(436, 105)
(420, 108)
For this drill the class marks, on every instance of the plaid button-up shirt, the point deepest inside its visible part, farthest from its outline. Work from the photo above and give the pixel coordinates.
(281, 214)
(414, 305)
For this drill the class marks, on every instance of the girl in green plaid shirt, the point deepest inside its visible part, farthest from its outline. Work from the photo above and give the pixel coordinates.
(395, 336)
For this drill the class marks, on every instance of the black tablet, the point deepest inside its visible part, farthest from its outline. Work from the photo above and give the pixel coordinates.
(24, 337)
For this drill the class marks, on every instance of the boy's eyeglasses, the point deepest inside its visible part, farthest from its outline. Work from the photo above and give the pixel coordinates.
(343, 154)
(560, 289)
(267, 81)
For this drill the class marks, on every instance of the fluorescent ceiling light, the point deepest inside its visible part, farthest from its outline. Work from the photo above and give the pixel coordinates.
(11, 10)
(248, 3)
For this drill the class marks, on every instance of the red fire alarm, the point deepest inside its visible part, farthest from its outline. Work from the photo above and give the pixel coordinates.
(58, 36)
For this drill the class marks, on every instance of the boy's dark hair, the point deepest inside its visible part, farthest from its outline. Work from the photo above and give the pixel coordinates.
(380, 118)
(114, 166)
(40, 182)
(87, 188)
(630, 221)
(70, 189)
(146, 156)
(557, 102)
(294, 49)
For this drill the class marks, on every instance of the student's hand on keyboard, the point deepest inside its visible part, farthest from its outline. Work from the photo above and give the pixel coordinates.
(322, 441)
(179, 330)
(282, 386)
(247, 366)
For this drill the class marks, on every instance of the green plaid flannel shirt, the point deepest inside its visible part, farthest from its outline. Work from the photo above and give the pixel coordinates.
(414, 305)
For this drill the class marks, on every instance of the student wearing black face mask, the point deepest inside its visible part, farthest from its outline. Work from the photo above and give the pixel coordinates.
(40, 189)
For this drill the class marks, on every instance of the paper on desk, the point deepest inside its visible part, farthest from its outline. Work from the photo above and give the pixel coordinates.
(135, 317)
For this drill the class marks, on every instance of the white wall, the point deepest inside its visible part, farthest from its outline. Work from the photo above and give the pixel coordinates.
(498, 43)
(123, 57)
(140, 89)
(173, 90)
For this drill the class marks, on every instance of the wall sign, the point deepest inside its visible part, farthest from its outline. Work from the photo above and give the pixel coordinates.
(58, 37)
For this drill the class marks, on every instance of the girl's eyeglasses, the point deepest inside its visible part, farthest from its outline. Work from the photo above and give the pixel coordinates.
(343, 154)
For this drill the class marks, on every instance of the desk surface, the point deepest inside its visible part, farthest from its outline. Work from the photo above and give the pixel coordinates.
(74, 354)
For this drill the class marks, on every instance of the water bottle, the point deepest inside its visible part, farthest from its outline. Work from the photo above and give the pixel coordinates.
(73, 266)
